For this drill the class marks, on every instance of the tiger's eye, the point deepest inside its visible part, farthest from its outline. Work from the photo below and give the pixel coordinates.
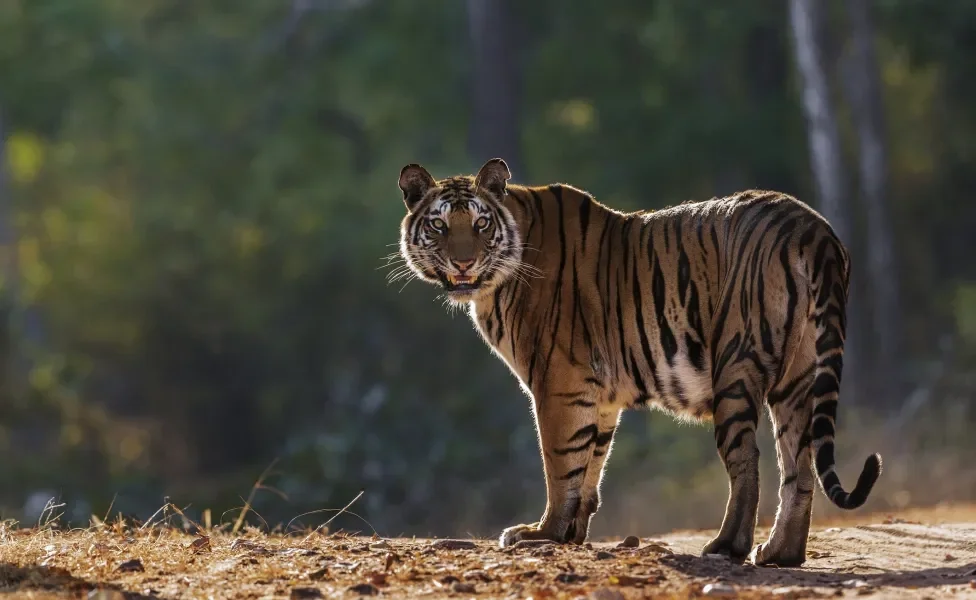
(481, 223)
(438, 224)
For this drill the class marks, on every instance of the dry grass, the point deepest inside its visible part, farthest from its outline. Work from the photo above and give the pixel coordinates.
(124, 560)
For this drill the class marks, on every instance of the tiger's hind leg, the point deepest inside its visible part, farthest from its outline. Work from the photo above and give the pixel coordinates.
(735, 413)
(791, 407)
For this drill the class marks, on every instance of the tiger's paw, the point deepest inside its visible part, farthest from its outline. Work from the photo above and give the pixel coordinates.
(736, 553)
(518, 533)
(764, 555)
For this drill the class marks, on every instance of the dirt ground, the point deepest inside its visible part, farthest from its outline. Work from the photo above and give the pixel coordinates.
(925, 553)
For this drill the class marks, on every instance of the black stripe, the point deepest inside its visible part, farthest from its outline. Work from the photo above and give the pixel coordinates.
(557, 296)
(642, 327)
(574, 473)
(604, 438)
(584, 217)
(659, 291)
(498, 314)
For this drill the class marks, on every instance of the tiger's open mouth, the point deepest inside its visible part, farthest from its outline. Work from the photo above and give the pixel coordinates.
(462, 283)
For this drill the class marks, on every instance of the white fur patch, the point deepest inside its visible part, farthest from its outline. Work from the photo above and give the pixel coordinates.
(697, 385)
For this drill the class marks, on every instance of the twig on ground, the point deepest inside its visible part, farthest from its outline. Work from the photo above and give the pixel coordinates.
(351, 502)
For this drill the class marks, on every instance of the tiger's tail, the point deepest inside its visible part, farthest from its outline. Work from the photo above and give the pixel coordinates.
(830, 281)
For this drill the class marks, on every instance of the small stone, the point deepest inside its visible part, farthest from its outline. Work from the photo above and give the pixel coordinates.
(380, 545)
(463, 588)
(454, 545)
(105, 595)
(305, 592)
(570, 578)
(718, 589)
(477, 575)
(365, 589)
(631, 541)
(603, 555)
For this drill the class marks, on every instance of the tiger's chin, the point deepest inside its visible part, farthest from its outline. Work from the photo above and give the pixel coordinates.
(462, 289)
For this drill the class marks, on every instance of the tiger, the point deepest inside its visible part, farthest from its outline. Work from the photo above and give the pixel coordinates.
(710, 310)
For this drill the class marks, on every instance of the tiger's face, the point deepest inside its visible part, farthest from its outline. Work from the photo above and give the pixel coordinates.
(457, 232)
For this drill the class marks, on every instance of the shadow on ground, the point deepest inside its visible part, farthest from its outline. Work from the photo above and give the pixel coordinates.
(17, 581)
(748, 574)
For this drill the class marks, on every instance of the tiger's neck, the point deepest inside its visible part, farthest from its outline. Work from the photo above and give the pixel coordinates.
(559, 231)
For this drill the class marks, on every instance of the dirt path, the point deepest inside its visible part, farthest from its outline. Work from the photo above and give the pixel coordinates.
(882, 557)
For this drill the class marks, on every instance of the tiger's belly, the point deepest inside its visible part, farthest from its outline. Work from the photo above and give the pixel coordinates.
(682, 389)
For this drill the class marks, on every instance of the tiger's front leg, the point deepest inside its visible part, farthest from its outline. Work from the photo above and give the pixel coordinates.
(568, 425)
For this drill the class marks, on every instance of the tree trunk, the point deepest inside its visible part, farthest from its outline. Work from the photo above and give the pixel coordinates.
(9, 292)
(826, 160)
(862, 81)
(495, 84)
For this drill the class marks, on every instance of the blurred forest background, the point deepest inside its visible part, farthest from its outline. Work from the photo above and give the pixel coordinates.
(196, 199)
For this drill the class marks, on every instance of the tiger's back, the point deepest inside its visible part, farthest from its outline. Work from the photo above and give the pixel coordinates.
(640, 296)
(708, 310)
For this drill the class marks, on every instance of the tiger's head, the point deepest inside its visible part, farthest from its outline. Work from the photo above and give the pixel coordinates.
(457, 232)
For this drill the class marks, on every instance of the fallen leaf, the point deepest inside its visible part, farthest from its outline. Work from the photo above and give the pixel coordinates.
(130, 566)
(241, 544)
(453, 545)
(630, 580)
(201, 544)
(655, 547)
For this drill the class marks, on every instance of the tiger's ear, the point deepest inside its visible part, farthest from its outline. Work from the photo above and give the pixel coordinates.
(493, 176)
(414, 183)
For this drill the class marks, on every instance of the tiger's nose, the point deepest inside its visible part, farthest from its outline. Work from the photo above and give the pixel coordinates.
(462, 265)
